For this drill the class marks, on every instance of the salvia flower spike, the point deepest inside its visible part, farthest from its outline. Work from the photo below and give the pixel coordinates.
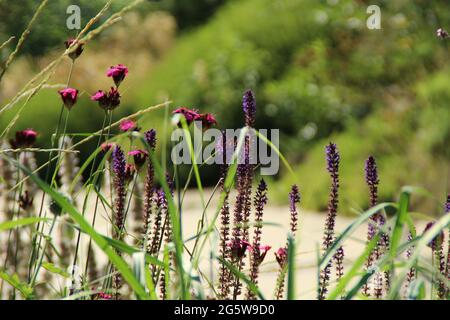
(249, 107)
(437, 249)
(333, 160)
(150, 138)
(294, 200)
(371, 176)
(258, 251)
(119, 169)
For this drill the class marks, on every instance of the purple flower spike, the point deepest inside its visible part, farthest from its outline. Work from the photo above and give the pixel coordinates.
(371, 172)
(249, 107)
(333, 159)
(119, 169)
(119, 162)
(150, 137)
(294, 199)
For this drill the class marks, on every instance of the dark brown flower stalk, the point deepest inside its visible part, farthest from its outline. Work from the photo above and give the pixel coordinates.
(244, 186)
(385, 244)
(119, 169)
(339, 260)
(167, 239)
(239, 220)
(438, 259)
(150, 138)
(160, 203)
(237, 249)
(447, 266)
(294, 200)
(282, 258)
(333, 159)
(371, 175)
(411, 275)
(258, 252)
(224, 276)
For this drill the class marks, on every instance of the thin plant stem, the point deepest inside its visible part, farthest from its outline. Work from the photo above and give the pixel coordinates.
(33, 280)
(47, 175)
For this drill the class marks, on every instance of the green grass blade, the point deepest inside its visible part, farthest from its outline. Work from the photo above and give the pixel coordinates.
(349, 230)
(20, 223)
(399, 222)
(291, 269)
(25, 290)
(174, 220)
(425, 239)
(353, 272)
(243, 277)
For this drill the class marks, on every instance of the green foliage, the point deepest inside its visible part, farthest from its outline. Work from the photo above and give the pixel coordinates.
(318, 74)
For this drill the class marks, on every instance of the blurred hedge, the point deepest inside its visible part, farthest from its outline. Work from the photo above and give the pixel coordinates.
(320, 74)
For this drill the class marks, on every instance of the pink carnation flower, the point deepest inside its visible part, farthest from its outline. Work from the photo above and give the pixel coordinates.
(208, 120)
(69, 97)
(139, 157)
(118, 73)
(189, 115)
(24, 139)
(281, 256)
(128, 125)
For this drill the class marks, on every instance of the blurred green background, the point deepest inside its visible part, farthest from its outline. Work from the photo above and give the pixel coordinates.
(318, 72)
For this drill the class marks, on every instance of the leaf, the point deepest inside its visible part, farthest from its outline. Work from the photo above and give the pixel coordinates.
(54, 269)
(20, 223)
(291, 269)
(25, 290)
